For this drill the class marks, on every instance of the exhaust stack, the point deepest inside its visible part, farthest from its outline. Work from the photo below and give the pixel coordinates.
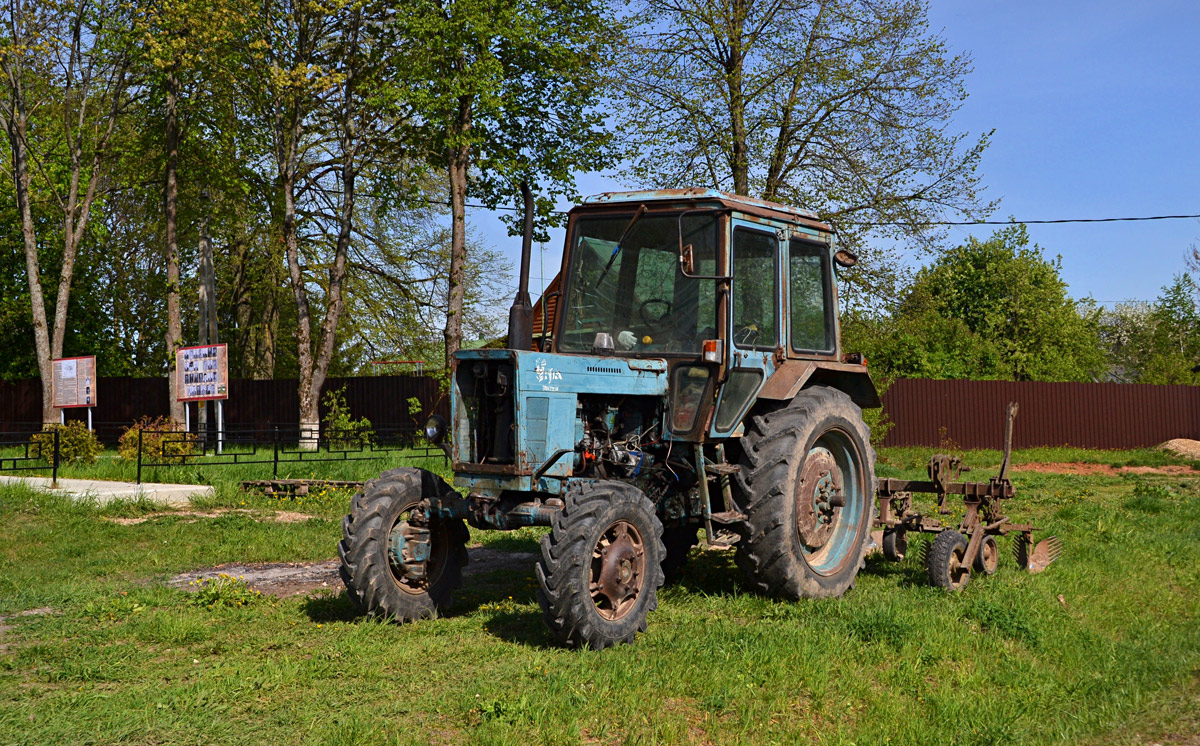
(520, 315)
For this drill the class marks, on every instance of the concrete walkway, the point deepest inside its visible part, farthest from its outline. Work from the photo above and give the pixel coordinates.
(105, 492)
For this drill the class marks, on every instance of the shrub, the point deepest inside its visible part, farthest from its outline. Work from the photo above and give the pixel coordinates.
(76, 444)
(341, 430)
(157, 440)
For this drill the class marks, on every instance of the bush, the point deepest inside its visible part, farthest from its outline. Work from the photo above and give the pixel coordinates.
(157, 440)
(341, 430)
(76, 444)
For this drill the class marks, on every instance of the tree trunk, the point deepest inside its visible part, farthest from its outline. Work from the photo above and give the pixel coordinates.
(739, 156)
(171, 197)
(458, 255)
(15, 126)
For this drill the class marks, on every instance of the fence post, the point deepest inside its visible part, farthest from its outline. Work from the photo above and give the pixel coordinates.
(139, 470)
(54, 468)
(275, 456)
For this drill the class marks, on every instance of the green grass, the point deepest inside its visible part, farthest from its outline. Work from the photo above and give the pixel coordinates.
(124, 658)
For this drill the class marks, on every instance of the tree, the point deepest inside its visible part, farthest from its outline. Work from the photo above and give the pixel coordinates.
(1157, 342)
(841, 106)
(65, 83)
(504, 91)
(993, 309)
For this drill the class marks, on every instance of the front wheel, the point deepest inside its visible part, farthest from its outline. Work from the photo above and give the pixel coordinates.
(601, 565)
(384, 537)
(808, 486)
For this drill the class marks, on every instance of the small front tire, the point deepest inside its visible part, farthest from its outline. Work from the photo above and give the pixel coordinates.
(601, 565)
(373, 582)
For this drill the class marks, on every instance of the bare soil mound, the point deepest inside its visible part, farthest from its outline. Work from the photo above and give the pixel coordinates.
(1183, 447)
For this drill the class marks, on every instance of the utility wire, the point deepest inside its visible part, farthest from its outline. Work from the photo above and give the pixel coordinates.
(1058, 221)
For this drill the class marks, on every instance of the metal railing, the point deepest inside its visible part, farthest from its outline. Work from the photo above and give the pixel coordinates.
(31, 456)
(172, 448)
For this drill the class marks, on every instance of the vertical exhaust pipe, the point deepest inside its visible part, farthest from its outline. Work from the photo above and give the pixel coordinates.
(520, 315)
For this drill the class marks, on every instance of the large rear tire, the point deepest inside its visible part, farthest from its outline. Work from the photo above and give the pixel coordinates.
(807, 486)
(373, 580)
(601, 565)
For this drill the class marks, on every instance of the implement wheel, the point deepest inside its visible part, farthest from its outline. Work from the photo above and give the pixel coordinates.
(944, 562)
(382, 517)
(807, 485)
(895, 543)
(601, 565)
(988, 559)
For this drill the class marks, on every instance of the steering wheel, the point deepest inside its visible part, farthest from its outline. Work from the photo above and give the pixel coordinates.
(652, 320)
(747, 335)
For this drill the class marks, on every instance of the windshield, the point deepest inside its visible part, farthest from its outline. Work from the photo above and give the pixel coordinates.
(636, 292)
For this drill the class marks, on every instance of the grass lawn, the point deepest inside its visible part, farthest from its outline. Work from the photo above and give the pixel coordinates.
(1104, 647)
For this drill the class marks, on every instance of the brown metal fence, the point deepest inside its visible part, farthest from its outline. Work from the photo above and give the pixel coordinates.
(925, 412)
(252, 405)
(1088, 415)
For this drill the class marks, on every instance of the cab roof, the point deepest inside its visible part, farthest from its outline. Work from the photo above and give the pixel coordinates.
(698, 194)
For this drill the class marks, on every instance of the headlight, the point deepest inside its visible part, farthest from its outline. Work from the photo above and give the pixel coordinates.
(435, 429)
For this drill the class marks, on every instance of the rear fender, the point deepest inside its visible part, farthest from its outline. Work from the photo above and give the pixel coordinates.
(794, 375)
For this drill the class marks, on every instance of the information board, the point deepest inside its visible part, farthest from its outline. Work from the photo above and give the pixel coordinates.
(201, 373)
(74, 382)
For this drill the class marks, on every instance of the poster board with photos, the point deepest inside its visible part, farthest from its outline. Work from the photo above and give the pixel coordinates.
(201, 373)
(74, 383)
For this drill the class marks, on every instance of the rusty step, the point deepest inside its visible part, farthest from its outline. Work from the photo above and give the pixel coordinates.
(716, 470)
(729, 516)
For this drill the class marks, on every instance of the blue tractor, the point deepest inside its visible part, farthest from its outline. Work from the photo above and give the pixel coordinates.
(689, 377)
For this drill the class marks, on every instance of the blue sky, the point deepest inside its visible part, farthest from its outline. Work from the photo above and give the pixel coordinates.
(1096, 111)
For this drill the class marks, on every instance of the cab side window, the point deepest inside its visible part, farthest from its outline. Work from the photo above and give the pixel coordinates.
(811, 297)
(755, 291)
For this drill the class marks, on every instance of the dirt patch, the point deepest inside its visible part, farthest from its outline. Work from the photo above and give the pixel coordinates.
(1183, 447)
(1102, 469)
(192, 516)
(4, 628)
(282, 579)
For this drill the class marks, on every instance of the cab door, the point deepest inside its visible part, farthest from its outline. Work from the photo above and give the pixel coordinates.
(755, 328)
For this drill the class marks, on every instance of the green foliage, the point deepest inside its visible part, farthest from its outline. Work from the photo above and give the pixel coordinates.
(162, 439)
(76, 444)
(994, 309)
(223, 591)
(1160, 342)
(341, 429)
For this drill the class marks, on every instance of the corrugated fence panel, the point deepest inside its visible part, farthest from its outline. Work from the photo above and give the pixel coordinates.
(252, 405)
(926, 413)
(1091, 415)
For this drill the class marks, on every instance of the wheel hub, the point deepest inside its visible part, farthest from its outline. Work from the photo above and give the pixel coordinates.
(617, 570)
(819, 497)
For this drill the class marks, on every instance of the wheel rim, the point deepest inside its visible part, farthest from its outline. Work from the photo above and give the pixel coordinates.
(617, 570)
(829, 503)
(437, 554)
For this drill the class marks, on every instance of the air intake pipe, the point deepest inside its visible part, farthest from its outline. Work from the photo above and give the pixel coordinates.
(520, 316)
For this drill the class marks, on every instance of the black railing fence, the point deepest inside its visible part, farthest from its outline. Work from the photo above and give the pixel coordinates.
(276, 446)
(33, 450)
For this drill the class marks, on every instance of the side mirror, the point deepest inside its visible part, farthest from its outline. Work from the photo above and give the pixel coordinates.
(687, 262)
(845, 258)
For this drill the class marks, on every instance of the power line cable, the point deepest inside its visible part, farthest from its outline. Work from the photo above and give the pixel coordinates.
(1055, 221)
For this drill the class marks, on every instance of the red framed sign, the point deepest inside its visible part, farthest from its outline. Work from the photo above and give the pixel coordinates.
(74, 383)
(201, 373)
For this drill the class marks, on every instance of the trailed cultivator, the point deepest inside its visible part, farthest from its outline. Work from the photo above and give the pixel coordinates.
(972, 545)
